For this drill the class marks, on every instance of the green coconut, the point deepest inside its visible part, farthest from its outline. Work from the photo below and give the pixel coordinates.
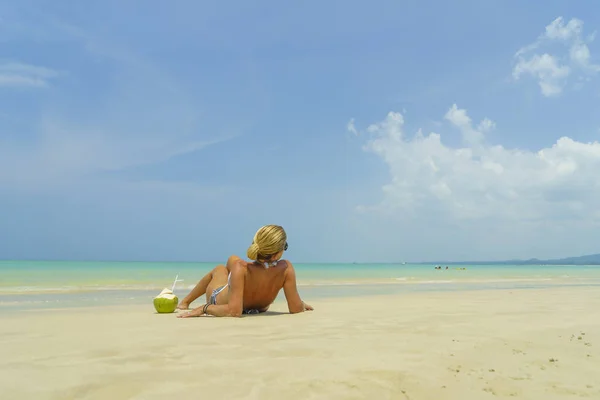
(166, 302)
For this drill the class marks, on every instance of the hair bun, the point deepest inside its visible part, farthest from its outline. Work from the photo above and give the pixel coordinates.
(252, 252)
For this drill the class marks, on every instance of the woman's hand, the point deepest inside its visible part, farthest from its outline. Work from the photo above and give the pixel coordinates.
(196, 312)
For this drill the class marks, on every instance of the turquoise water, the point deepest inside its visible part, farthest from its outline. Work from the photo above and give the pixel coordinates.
(31, 284)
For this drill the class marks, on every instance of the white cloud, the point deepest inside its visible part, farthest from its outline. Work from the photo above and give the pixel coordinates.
(580, 54)
(486, 125)
(558, 30)
(483, 181)
(551, 76)
(553, 70)
(460, 119)
(24, 75)
(351, 128)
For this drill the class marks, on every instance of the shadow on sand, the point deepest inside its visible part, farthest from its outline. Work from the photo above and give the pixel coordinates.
(266, 314)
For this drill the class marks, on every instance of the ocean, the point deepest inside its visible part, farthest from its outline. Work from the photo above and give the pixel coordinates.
(28, 285)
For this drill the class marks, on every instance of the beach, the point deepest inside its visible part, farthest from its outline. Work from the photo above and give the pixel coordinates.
(483, 344)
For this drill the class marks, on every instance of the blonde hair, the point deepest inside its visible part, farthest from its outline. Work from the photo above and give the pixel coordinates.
(268, 241)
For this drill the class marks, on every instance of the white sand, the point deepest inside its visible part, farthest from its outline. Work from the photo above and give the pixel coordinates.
(467, 345)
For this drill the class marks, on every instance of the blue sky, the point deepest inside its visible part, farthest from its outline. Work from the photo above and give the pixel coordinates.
(147, 130)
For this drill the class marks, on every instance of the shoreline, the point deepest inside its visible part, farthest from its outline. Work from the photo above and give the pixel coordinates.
(44, 300)
(279, 303)
(75, 288)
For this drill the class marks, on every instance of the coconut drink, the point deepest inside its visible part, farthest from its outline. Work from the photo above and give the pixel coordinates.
(166, 302)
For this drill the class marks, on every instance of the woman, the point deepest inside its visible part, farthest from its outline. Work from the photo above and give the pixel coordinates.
(242, 287)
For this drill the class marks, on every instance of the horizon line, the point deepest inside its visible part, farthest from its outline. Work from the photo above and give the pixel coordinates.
(438, 262)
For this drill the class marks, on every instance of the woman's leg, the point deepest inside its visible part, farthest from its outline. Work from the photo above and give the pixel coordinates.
(218, 276)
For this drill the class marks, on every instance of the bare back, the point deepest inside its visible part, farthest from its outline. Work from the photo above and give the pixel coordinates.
(261, 285)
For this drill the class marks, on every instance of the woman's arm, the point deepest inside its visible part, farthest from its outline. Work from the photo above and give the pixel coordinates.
(235, 305)
(290, 289)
